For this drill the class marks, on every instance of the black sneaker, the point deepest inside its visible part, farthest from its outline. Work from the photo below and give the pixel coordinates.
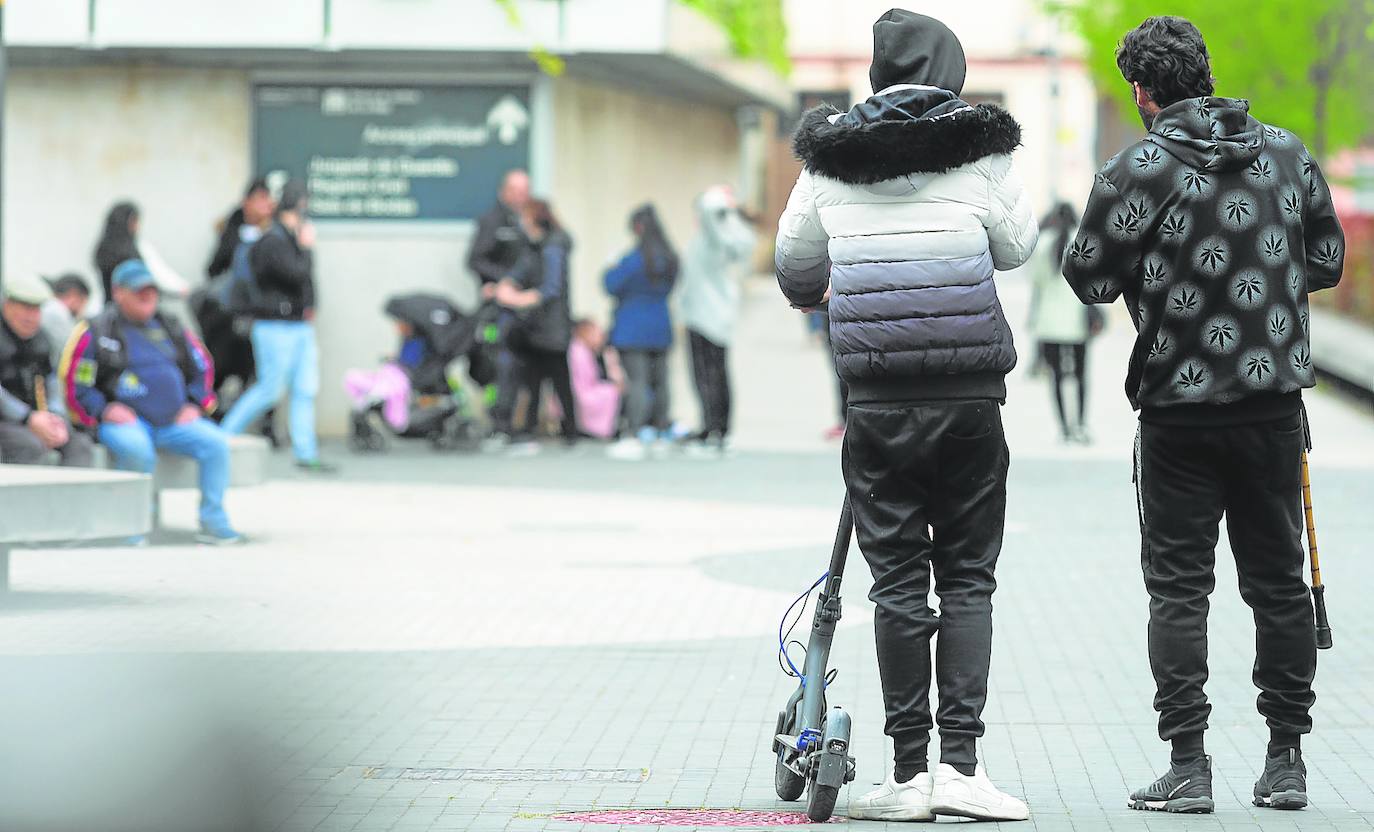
(1284, 782)
(1184, 789)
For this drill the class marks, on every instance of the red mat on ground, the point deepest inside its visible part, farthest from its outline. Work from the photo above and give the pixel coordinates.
(689, 817)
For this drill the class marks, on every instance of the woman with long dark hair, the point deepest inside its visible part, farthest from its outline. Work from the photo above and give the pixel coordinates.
(117, 242)
(1060, 323)
(643, 332)
(543, 330)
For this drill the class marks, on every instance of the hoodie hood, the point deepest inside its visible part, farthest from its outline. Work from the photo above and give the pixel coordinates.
(902, 131)
(1212, 134)
(910, 48)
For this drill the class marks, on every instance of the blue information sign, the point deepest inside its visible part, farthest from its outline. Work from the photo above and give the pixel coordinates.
(392, 152)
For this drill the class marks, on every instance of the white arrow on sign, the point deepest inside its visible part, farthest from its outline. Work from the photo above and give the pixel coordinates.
(508, 118)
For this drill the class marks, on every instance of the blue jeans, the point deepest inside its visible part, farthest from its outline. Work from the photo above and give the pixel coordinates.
(135, 448)
(287, 357)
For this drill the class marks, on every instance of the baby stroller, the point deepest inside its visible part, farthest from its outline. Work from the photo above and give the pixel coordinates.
(438, 408)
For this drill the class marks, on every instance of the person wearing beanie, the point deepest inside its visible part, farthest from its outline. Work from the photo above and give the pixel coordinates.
(283, 332)
(33, 418)
(906, 207)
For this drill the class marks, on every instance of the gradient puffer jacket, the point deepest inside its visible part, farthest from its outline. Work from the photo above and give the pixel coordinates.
(907, 205)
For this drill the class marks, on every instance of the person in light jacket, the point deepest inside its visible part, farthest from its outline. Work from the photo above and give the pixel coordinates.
(709, 302)
(1059, 323)
(907, 205)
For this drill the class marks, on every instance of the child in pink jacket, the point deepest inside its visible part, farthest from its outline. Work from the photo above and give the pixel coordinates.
(597, 393)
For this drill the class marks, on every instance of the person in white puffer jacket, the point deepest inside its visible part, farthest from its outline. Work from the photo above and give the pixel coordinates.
(907, 205)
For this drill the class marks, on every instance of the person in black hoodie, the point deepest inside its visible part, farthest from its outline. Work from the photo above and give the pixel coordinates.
(284, 345)
(1214, 228)
(908, 206)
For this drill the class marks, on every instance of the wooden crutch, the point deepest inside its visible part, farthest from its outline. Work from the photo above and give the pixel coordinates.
(1318, 590)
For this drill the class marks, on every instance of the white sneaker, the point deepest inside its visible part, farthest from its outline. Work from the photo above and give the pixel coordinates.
(973, 797)
(895, 801)
(626, 450)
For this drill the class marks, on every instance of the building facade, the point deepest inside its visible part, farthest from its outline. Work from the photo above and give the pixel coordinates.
(1017, 57)
(402, 116)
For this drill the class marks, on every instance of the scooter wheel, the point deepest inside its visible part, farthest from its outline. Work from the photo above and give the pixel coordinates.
(788, 783)
(820, 802)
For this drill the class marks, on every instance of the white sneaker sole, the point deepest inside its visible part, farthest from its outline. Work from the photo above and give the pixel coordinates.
(972, 811)
(896, 813)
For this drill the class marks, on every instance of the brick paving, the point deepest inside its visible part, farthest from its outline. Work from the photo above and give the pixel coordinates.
(482, 643)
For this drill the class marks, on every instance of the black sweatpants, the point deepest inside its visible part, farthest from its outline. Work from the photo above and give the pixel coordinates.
(712, 377)
(1188, 478)
(927, 483)
(1068, 361)
(537, 366)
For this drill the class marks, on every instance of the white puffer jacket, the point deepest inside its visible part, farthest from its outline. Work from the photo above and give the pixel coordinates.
(904, 218)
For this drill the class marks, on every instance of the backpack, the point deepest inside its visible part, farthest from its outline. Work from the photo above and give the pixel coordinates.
(242, 296)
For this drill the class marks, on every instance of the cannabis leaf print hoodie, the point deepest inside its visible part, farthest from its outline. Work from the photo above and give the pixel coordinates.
(1213, 228)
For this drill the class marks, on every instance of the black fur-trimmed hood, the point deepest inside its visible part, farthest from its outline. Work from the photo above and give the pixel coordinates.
(867, 153)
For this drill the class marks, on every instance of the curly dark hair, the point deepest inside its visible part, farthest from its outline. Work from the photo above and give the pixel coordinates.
(1167, 56)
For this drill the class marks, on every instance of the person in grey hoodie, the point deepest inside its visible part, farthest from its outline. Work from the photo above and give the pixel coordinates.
(907, 205)
(709, 300)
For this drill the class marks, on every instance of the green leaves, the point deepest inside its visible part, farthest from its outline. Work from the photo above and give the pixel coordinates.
(1303, 66)
(757, 28)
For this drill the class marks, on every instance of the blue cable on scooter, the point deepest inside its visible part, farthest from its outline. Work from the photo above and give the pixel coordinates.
(782, 638)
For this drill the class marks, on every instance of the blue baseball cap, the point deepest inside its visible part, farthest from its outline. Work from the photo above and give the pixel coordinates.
(132, 274)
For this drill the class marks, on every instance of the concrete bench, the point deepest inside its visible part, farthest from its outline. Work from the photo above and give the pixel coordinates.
(41, 504)
(1343, 348)
(247, 466)
(248, 457)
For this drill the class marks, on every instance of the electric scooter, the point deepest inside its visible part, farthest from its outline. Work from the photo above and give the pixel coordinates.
(812, 742)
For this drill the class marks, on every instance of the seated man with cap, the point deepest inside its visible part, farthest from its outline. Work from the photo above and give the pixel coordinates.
(145, 383)
(32, 418)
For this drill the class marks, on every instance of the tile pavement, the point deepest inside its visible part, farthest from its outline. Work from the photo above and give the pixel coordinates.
(564, 612)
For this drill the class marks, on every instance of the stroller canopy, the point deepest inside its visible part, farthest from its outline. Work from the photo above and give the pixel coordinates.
(448, 332)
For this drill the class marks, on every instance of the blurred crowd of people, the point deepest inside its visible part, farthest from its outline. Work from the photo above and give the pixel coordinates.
(141, 368)
(539, 365)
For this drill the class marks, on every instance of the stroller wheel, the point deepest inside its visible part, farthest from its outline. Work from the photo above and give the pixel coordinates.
(365, 437)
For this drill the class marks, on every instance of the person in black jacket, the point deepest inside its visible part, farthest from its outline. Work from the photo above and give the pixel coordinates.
(256, 208)
(33, 412)
(543, 328)
(117, 243)
(1214, 228)
(502, 242)
(225, 334)
(283, 333)
(502, 245)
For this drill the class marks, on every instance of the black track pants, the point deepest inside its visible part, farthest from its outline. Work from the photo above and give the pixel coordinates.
(1187, 479)
(710, 371)
(928, 486)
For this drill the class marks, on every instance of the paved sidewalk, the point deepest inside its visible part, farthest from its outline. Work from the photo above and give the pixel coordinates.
(470, 642)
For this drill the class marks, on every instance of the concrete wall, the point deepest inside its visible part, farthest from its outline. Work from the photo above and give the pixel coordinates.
(615, 150)
(79, 140)
(178, 142)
